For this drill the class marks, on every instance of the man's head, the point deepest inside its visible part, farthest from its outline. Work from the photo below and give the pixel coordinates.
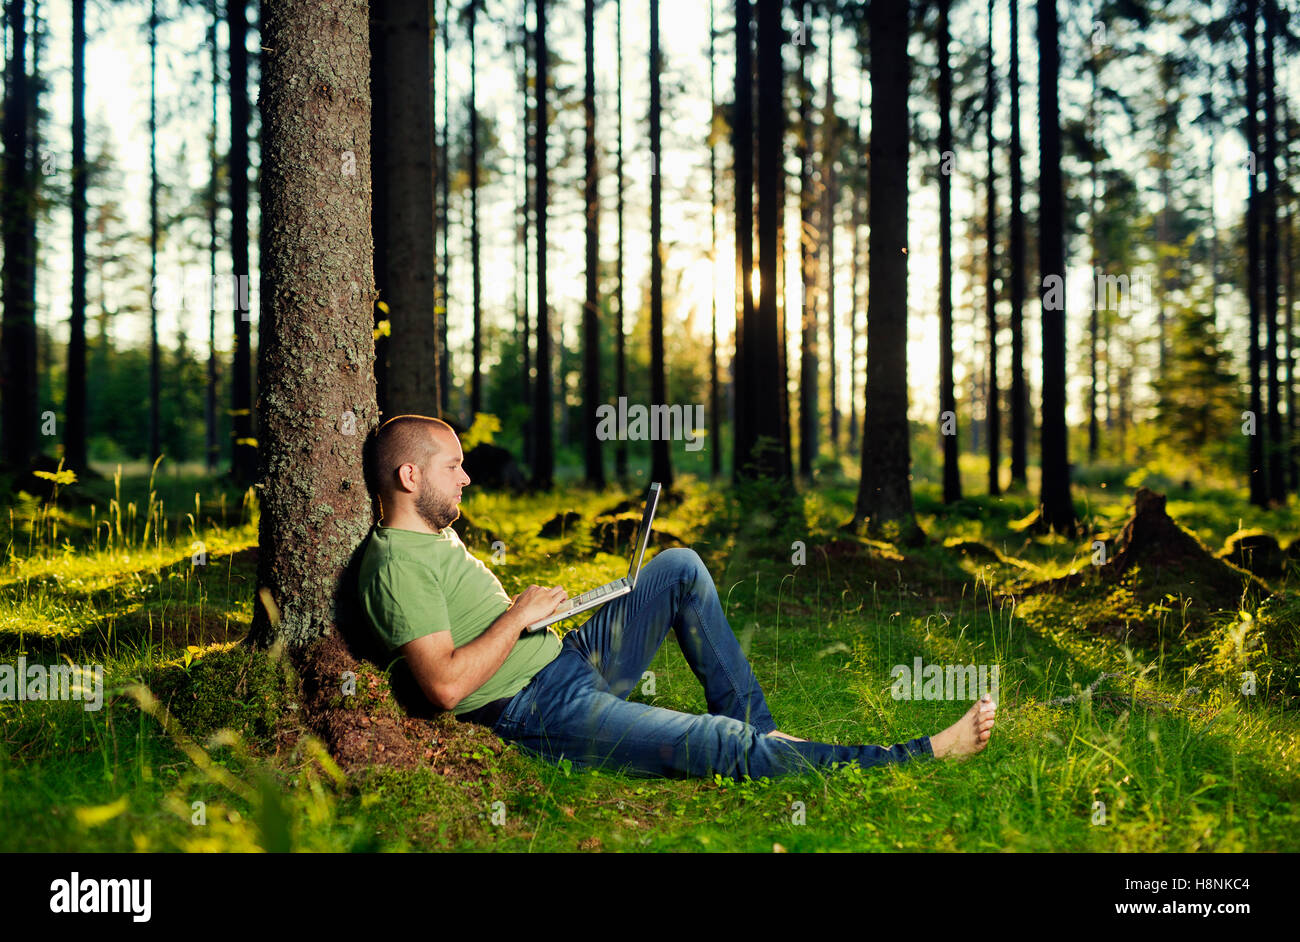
(415, 471)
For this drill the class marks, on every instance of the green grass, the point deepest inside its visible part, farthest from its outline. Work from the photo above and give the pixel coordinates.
(1180, 759)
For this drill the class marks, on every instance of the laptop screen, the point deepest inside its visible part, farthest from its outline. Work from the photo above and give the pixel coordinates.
(643, 535)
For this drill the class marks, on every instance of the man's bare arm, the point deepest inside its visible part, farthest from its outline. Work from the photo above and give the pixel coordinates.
(448, 674)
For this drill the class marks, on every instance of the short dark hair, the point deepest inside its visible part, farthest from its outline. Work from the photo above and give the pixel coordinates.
(402, 439)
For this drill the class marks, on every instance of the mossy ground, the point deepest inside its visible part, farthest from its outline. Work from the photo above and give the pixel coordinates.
(1167, 756)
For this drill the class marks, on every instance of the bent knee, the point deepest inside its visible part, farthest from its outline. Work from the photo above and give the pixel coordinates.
(686, 560)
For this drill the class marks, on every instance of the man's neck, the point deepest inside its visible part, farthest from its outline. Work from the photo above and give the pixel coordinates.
(408, 522)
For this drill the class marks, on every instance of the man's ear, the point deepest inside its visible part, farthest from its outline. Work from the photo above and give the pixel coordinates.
(414, 476)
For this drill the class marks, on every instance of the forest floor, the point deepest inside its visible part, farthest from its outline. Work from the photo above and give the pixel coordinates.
(1150, 710)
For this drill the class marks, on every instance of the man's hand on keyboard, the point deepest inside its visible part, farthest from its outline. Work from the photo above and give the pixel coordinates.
(536, 603)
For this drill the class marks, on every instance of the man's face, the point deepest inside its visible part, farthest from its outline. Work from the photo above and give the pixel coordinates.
(438, 500)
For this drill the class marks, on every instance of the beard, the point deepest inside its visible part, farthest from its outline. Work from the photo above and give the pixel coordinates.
(436, 511)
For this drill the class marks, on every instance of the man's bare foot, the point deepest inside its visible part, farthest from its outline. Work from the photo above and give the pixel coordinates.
(969, 734)
(780, 735)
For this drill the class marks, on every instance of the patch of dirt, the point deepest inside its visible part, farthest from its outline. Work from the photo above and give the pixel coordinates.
(384, 724)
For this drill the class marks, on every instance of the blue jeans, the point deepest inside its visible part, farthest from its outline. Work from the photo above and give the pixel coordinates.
(576, 708)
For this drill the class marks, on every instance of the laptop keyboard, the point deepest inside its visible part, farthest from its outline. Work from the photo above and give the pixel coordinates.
(593, 595)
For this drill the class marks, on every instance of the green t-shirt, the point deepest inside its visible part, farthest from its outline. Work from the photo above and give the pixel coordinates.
(413, 584)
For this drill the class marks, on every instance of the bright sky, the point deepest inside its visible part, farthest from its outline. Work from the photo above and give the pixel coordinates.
(117, 96)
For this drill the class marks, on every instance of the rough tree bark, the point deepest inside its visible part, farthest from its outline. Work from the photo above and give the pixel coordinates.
(315, 367)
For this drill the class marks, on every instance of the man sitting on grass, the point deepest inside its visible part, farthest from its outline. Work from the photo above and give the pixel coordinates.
(428, 598)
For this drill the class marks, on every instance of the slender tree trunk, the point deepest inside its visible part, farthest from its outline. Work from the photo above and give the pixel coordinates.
(1258, 472)
(859, 295)
(1276, 455)
(525, 228)
(1293, 470)
(809, 368)
(1057, 505)
(243, 462)
(782, 337)
(660, 462)
(885, 490)
(75, 428)
(993, 406)
(213, 449)
(476, 376)
(444, 214)
(591, 309)
(1019, 399)
(155, 362)
(948, 435)
(620, 450)
(830, 131)
(43, 360)
(1094, 260)
(1293, 467)
(742, 148)
(316, 316)
(543, 447)
(715, 419)
(978, 375)
(521, 221)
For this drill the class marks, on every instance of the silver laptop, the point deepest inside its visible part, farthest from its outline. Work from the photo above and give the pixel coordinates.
(610, 590)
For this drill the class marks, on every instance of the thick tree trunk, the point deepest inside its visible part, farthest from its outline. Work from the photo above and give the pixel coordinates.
(317, 401)
(885, 490)
(1056, 504)
(18, 393)
(762, 340)
(404, 210)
